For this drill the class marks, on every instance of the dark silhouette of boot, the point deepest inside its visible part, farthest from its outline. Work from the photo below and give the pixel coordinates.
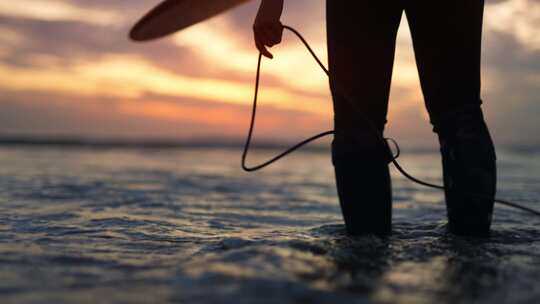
(365, 195)
(469, 171)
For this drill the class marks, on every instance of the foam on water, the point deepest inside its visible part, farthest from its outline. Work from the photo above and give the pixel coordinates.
(187, 226)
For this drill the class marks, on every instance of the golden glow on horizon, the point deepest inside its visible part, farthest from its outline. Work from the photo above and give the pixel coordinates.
(132, 78)
(170, 111)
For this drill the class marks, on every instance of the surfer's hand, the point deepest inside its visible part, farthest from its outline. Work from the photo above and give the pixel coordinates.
(267, 28)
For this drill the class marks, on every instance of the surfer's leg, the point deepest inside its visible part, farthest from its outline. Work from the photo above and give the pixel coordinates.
(447, 42)
(361, 44)
(469, 167)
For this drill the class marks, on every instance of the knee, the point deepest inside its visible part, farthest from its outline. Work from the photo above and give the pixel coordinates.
(463, 123)
(359, 147)
(465, 138)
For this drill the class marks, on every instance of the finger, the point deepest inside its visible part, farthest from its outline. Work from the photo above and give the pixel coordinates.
(262, 49)
(265, 51)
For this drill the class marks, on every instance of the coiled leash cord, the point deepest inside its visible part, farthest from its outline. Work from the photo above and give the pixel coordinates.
(370, 124)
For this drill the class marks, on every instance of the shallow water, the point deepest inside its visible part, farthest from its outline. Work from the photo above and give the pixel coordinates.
(188, 226)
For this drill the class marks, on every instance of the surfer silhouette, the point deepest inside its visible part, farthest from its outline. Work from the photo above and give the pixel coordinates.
(361, 37)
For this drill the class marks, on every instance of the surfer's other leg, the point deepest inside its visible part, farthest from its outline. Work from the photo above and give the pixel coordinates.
(361, 44)
(447, 43)
(469, 168)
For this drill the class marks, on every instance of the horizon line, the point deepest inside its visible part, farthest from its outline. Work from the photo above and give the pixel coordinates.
(205, 142)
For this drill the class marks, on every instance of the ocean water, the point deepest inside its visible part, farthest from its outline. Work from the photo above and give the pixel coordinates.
(188, 226)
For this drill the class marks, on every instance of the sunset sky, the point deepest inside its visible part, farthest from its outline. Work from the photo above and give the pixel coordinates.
(68, 69)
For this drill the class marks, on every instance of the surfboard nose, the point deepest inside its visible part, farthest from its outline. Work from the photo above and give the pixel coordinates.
(171, 16)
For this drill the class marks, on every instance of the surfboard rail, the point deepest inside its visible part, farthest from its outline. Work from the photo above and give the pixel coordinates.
(171, 16)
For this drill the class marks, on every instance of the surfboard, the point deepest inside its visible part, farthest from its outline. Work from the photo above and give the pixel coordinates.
(171, 16)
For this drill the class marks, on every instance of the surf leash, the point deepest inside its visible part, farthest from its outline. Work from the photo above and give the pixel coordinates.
(370, 124)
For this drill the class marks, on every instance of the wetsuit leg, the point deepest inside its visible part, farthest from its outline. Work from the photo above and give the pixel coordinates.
(447, 42)
(361, 45)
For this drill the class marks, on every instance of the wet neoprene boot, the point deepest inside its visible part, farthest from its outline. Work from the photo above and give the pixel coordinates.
(365, 194)
(469, 172)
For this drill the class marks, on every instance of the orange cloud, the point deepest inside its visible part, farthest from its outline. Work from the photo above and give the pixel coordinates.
(54, 10)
